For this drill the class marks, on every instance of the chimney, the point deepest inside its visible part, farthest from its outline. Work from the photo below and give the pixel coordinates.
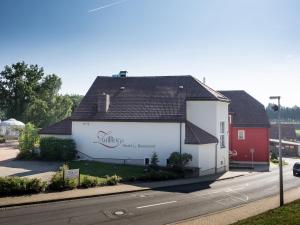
(103, 103)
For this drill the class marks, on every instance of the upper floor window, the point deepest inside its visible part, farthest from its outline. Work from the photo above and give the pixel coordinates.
(241, 135)
(222, 134)
(222, 127)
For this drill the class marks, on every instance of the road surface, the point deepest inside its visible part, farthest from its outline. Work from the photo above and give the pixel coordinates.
(161, 206)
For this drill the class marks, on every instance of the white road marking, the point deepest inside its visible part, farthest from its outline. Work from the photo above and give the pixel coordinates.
(162, 203)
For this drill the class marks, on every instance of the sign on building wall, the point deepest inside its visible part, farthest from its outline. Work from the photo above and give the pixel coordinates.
(108, 140)
(71, 174)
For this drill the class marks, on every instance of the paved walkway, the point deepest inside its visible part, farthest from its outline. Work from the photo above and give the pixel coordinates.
(242, 212)
(109, 190)
(9, 166)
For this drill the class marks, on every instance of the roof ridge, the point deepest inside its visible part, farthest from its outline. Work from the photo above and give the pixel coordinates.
(147, 76)
(212, 91)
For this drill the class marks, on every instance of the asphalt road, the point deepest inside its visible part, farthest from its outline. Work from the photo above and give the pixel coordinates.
(152, 207)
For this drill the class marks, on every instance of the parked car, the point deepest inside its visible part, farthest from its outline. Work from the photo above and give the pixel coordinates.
(296, 169)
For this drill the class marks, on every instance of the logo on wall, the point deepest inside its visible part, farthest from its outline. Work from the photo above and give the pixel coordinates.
(108, 140)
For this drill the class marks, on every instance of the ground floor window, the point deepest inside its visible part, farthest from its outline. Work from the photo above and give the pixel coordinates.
(222, 141)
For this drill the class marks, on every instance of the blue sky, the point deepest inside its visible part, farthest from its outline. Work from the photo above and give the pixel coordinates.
(236, 44)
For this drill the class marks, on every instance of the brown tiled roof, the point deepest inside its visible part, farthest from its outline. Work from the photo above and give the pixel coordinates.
(156, 98)
(195, 135)
(63, 127)
(287, 132)
(246, 111)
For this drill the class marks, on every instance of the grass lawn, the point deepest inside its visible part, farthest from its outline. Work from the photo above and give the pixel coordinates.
(287, 215)
(100, 170)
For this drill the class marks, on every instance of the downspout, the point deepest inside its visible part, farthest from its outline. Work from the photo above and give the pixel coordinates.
(180, 134)
(216, 159)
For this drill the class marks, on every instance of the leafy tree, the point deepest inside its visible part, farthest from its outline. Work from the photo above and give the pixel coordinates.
(42, 112)
(2, 114)
(28, 139)
(29, 95)
(22, 84)
(76, 99)
(288, 114)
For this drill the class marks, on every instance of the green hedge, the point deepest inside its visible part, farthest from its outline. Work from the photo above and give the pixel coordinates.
(57, 149)
(19, 185)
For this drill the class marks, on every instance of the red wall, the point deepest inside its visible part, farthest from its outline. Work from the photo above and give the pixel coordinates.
(256, 138)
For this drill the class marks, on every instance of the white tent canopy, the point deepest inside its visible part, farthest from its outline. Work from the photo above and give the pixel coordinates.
(10, 128)
(12, 122)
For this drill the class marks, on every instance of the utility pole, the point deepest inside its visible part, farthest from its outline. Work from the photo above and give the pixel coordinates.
(278, 108)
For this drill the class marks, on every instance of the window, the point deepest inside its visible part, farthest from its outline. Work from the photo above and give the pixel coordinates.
(241, 134)
(147, 161)
(222, 141)
(222, 127)
(222, 134)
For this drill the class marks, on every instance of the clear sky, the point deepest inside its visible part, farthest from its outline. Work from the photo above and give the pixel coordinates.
(236, 44)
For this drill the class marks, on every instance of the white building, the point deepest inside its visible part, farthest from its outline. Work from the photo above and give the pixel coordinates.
(125, 119)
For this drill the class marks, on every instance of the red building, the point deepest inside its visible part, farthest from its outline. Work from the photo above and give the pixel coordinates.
(248, 130)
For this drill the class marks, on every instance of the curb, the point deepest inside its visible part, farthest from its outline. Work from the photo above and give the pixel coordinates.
(106, 194)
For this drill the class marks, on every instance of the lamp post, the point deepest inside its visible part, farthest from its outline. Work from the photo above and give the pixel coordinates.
(278, 108)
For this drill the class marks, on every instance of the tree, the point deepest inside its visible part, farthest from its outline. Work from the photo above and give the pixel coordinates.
(287, 114)
(21, 85)
(28, 139)
(76, 99)
(29, 95)
(42, 112)
(154, 161)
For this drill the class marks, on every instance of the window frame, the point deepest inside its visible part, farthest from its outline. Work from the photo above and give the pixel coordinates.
(243, 136)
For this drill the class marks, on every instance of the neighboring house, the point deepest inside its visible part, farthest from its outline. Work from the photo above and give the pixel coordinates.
(249, 130)
(290, 142)
(125, 119)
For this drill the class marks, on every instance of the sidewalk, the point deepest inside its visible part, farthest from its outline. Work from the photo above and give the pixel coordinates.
(242, 212)
(110, 190)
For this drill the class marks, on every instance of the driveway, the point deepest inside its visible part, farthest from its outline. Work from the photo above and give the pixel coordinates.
(9, 166)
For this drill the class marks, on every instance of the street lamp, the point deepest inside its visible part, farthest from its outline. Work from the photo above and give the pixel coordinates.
(278, 108)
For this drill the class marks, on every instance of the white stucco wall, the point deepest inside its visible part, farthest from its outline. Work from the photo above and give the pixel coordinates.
(203, 114)
(223, 154)
(138, 141)
(207, 115)
(133, 141)
(207, 158)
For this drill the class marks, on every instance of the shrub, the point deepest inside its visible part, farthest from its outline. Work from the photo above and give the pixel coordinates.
(27, 155)
(18, 185)
(113, 180)
(2, 139)
(154, 161)
(89, 181)
(57, 149)
(178, 161)
(273, 156)
(28, 140)
(58, 183)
